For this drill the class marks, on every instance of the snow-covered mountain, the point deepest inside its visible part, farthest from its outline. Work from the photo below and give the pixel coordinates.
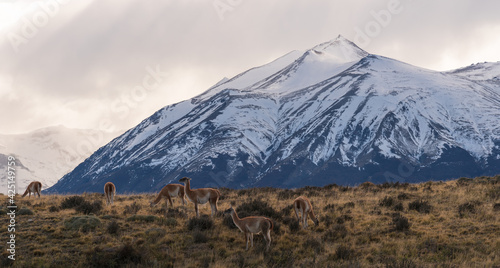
(49, 153)
(331, 114)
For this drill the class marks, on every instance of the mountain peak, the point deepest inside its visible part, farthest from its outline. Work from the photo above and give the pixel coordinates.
(341, 49)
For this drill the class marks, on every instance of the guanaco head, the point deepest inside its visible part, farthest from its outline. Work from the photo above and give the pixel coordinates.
(152, 204)
(184, 180)
(316, 222)
(229, 210)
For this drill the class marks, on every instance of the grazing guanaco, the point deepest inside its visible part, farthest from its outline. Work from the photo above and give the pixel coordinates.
(201, 196)
(252, 225)
(109, 191)
(34, 187)
(303, 205)
(170, 190)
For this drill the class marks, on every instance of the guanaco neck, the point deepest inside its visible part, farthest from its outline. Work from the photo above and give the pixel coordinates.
(312, 214)
(187, 187)
(235, 217)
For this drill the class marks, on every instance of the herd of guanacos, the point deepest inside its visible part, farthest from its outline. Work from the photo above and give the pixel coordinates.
(248, 225)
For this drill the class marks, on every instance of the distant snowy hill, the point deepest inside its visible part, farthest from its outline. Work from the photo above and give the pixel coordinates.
(48, 154)
(486, 71)
(331, 114)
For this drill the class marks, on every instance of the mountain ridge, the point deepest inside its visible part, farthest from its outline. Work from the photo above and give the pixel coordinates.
(361, 119)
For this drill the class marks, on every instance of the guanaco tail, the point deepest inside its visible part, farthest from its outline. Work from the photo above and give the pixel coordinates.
(303, 206)
(34, 187)
(253, 225)
(201, 196)
(109, 191)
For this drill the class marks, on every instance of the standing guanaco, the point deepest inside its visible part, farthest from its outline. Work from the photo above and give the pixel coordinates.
(201, 196)
(253, 225)
(109, 191)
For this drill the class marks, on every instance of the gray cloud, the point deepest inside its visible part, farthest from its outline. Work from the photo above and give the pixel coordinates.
(90, 55)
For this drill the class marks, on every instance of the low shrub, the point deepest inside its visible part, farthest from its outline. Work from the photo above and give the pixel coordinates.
(400, 223)
(314, 244)
(154, 234)
(326, 220)
(54, 209)
(468, 208)
(403, 196)
(258, 208)
(464, 181)
(286, 194)
(72, 202)
(200, 224)
(420, 206)
(293, 224)
(344, 252)
(349, 205)
(82, 223)
(199, 237)
(124, 256)
(132, 209)
(337, 232)
(175, 213)
(113, 228)
(329, 207)
(170, 222)
(399, 207)
(387, 202)
(143, 218)
(128, 254)
(25, 211)
(493, 193)
(89, 208)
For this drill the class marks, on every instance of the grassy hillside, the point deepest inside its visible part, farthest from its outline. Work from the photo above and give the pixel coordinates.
(445, 224)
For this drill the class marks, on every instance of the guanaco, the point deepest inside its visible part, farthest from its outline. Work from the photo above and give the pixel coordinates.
(201, 196)
(170, 190)
(34, 187)
(303, 206)
(252, 225)
(109, 191)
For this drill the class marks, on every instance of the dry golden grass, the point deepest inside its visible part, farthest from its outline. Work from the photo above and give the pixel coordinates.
(433, 224)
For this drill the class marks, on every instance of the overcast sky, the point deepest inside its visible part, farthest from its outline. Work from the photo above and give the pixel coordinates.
(110, 64)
